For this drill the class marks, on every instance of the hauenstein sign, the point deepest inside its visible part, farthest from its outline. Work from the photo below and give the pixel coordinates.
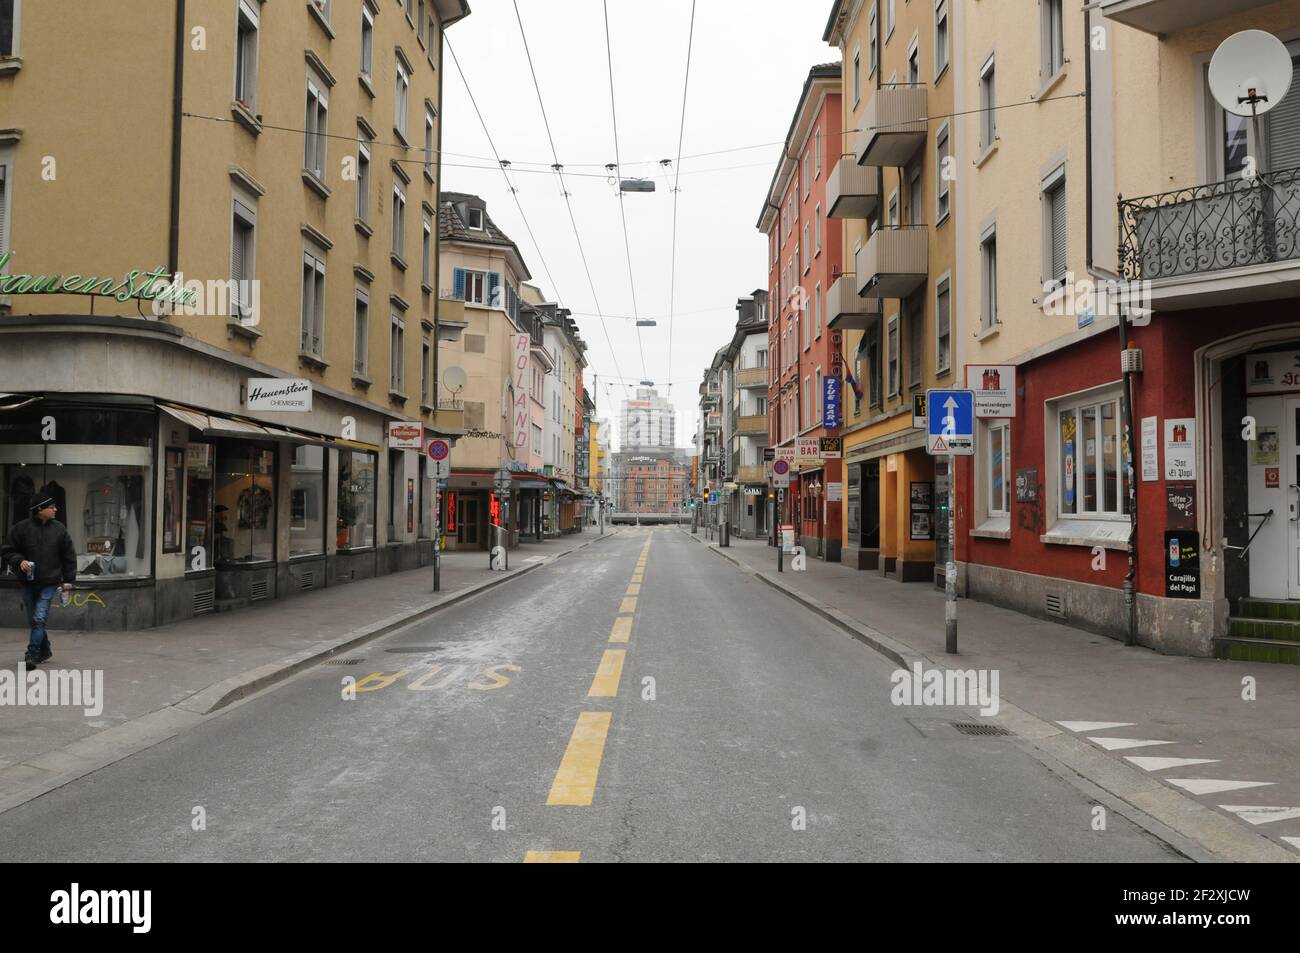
(156, 285)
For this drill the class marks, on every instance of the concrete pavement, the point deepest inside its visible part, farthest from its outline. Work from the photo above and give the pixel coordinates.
(160, 681)
(1230, 731)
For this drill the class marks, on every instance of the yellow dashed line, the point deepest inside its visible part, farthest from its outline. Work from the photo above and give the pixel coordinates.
(552, 856)
(605, 684)
(629, 605)
(622, 630)
(575, 781)
(634, 589)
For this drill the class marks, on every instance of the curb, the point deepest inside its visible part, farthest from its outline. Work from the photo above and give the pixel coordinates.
(1193, 830)
(40, 774)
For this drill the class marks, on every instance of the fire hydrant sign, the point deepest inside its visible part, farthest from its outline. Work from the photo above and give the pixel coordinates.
(995, 389)
(1180, 448)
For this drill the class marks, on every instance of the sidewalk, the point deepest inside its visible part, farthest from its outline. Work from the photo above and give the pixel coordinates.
(1053, 675)
(159, 681)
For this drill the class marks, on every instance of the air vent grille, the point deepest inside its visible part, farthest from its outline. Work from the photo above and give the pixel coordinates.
(1054, 604)
(308, 580)
(261, 588)
(205, 600)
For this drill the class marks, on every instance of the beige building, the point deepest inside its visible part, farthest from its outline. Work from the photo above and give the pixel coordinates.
(291, 186)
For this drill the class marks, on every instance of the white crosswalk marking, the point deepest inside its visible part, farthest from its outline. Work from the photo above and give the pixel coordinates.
(1213, 786)
(1159, 764)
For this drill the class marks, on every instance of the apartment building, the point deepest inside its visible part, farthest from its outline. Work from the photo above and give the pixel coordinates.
(804, 252)
(745, 388)
(893, 187)
(563, 410)
(218, 349)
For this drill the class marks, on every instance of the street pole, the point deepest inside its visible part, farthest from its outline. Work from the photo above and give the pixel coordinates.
(780, 536)
(437, 537)
(950, 576)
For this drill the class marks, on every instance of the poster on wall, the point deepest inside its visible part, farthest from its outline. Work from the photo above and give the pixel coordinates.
(1266, 449)
(1150, 449)
(1180, 505)
(1182, 564)
(1027, 485)
(921, 504)
(1180, 448)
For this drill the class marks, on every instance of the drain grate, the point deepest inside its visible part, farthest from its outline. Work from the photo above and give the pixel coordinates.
(975, 728)
(344, 661)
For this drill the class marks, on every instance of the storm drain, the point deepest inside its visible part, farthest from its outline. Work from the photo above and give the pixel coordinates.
(975, 728)
(344, 661)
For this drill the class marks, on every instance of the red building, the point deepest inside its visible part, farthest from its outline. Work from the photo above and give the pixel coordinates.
(804, 258)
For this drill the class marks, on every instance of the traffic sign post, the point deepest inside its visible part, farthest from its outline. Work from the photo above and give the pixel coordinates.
(950, 429)
(439, 452)
(780, 534)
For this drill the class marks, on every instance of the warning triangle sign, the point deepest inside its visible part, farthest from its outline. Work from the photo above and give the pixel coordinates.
(939, 445)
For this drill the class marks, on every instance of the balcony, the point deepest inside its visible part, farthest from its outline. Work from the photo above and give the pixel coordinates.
(752, 425)
(894, 262)
(1225, 242)
(846, 309)
(751, 473)
(752, 377)
(1171, 16)
(894, 126)
(851, 191)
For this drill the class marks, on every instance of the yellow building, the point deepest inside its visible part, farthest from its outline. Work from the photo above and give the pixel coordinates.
(276, 164)
(894, 188)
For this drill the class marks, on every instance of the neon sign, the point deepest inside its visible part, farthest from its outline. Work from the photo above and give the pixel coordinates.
(134, 284)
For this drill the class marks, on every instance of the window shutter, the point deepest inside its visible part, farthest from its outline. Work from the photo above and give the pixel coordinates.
(237, 264)
(1284, 135)
(1059, 234)
(458, 281)
(494, 281)
(4, 208)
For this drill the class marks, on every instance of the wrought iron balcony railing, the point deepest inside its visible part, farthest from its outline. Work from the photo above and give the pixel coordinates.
(1211, 227)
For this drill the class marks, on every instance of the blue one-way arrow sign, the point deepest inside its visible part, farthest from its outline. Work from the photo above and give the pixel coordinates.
(951, 422)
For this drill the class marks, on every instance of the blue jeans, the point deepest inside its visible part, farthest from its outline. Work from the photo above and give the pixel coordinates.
(36, 600)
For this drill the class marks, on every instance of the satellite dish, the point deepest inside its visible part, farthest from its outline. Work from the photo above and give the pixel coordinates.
(453, 378)
(1250, 73)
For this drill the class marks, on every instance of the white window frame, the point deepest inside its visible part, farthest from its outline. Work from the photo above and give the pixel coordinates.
(312, 310)
(401, 95)
(1096, 397)
(804, 245)
(942, 187)
(6, 200)
(817, 229)
(473, 277)
(942, 50)
(817, 153)
(989, 278)
(1000, 507)
(367, 65)
(890, 19)
(316, 149)
(469, 219)
(894, 376)
(943, 284)
(364, 166)
(247, 11)
(15, 50)
(1052, 39)
(873, 44)
(361, 322)
(817, 311)
(914, 52)
(243, 209)
(1056, 178)
(429, 117)
(807, 174)
(857, 76)
(426, 251)
(399, 218)
(988, 104)
(397, 351)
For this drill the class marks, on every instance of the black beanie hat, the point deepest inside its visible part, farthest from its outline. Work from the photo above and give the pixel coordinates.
(41, 501)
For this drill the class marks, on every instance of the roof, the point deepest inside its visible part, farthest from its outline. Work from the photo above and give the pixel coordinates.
(454, 227)
(830, 21)
(822, 71)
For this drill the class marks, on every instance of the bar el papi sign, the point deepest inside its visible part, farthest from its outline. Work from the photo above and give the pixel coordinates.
(279, 393)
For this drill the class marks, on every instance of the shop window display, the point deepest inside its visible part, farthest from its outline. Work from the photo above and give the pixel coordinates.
(307, 502)
(198, 506)
(358, 486)
(244, 515)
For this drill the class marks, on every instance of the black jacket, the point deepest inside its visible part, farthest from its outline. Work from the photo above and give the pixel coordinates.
(46, 544)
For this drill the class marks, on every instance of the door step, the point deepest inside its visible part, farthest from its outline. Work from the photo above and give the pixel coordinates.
(1280, 609)
(1283, 630)
(1245, 649)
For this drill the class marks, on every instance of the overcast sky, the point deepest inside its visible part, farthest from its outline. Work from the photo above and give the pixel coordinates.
(748, 63)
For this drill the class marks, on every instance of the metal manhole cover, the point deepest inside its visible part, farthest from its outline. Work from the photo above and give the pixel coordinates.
(344, 661)
(975, 728)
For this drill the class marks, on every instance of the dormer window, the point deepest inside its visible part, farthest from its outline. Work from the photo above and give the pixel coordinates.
(476, 218)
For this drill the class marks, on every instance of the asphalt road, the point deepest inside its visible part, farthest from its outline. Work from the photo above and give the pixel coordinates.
(763, 734)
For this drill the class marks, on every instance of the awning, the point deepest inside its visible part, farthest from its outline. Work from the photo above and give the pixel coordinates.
(217, 425)
(14, 401)
(358, 444)
(532, 484)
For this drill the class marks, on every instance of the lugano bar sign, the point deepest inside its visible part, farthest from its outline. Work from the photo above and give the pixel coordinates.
(279, 393)
(153, 285)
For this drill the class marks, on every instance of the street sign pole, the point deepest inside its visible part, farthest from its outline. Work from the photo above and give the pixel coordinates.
(780, 536)
(950, 431)
(437, 537)
(950, 576)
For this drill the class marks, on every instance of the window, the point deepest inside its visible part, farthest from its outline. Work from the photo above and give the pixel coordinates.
(1053, 38)
(873, 42)
(889, 19)
(426, 251)
(313, 301)
(358, 484)
(307, 501)
(807, 258)
(9, 12)
(245, 503)
(426, 366)
(246, 25)
(419, 20)
(367, 41)
(817, 229)
(396, 354)
(243, 224)
(400, 106)
(807, 174)
(428, 141)
(363, 174)
(819, 418)
(873, 362)
(1055, 234)
(893, 355)
(915, 318)
(6, 164)
(476, 218)
(317, 126)
(942, 325)
(989, 280)
(817, 153)
(857, 77)
(472, 286)
(399, 220)
(893, 209)
(817, 311)
(537, 439)
(806, 415)
(914, 216)
(940, 37)
(323, 6)
(998, 469)
(942, 184)
(1089, 476)
(361, 333)
(914, 65)
(988, 106)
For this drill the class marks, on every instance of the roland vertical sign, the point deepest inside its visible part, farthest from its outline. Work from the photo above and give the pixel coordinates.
(519, 375)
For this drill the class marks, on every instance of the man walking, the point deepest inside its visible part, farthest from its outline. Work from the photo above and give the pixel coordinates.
(40, 551)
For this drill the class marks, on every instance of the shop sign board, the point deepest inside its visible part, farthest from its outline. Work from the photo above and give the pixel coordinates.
(279, 393)
(1180, 448)
(1150, 449)
(994, 386)
(405, 435)
(1182, 564)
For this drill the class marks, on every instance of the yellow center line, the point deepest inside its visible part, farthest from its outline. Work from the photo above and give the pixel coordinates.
(552, 856)
(629, 605)
(638, 578)
(575, 781)
(622, 630)
(605, 684)
(634, 589)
